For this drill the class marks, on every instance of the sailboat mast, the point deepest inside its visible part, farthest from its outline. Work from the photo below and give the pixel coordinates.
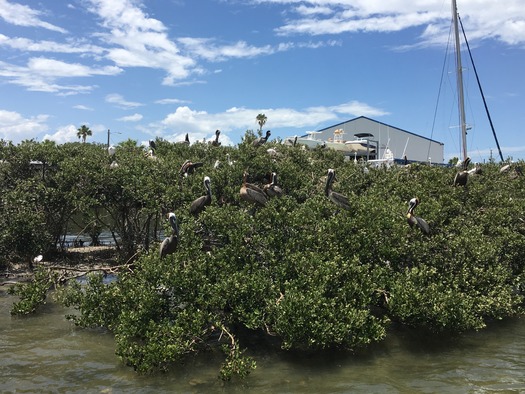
(459, 77)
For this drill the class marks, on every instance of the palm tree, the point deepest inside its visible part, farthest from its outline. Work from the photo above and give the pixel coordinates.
(83, 132)
(261, 120)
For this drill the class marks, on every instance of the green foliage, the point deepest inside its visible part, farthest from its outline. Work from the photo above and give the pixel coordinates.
(32, 294)
(300, 269)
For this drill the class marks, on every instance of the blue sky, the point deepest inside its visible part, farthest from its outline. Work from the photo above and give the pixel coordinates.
(166, 68)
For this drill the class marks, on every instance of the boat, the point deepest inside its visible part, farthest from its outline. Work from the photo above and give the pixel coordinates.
(310, 141)
(360, 146)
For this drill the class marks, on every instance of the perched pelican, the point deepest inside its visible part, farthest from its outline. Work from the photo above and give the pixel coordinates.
(198, 205)
(273, 152)
(517, 170)
(476, 170)
(111, 150)
(272, 189)
(186, 140)
(505, 168)
(169, 245)
(152, 145)
(188, 167)
(150, 154)
(461, 177)
(252, 193)
(216, 142)
(262, 140)
(336, 198)
(416, 220)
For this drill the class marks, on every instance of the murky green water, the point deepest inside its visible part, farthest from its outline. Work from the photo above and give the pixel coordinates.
(46, 353)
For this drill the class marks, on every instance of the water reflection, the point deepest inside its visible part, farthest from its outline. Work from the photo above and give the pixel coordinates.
(46, 353)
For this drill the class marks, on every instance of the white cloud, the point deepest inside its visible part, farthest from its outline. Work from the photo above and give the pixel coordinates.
(28, 45)
(207, 49)
(202, 123)
(83, 107)
(131, 118)
(41, 74)
(22, 15)
(171, 101)
(14, 127)
(63, 134)
(57, 68)
(119, 101)
(137, 40)
(486, 18)
(68, 133)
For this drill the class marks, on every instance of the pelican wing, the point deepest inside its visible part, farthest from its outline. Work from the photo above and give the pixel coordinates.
(253, 196)
(339, 199)
(422, 224)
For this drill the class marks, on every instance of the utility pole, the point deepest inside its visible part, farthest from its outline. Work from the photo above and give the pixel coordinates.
(109, 134)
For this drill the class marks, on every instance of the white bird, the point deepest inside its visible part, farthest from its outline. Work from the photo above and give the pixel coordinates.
(111, 150)
(230, 161)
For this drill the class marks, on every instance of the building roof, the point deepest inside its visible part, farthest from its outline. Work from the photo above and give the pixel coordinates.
(381, 123)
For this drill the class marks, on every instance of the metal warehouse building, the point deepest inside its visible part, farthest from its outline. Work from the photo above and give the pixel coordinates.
(401, 143)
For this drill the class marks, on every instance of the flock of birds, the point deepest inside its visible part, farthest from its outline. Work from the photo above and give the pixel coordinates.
(259, 196)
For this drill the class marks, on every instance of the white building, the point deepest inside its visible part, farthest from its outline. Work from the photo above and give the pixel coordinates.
(380, 137)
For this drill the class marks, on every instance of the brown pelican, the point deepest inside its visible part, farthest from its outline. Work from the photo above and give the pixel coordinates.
(150, 154)
(186, 140)
(414, 220)
(252, 193)
(199, 204)
(336, 198)
(188, 167)
(216, 142)
(476, 170)
(169, 245)
(517, 170)
(461, 177)
(262, 140)
(272, 189)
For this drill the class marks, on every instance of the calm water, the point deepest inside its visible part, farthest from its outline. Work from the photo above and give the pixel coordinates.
(46, 353)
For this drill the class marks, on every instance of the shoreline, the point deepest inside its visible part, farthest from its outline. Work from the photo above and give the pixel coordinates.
(77, 259)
